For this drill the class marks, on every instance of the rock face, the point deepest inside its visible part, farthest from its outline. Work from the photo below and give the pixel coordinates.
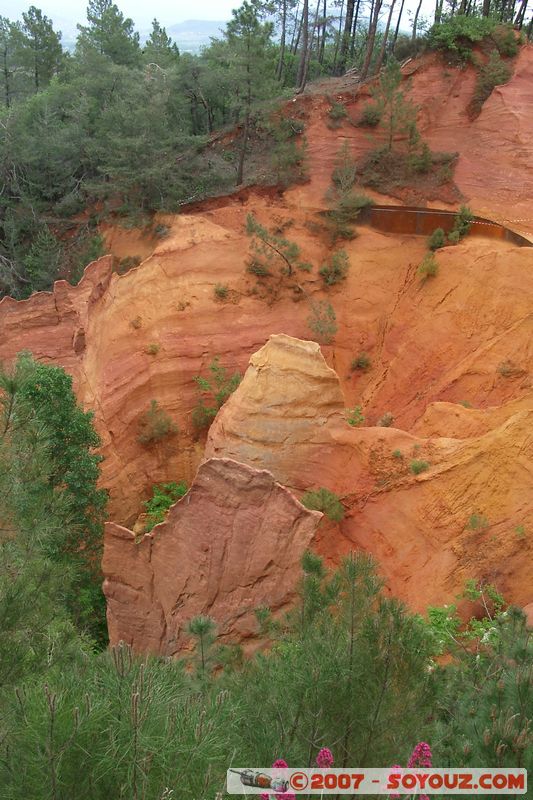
(466, 515)
(279, 417)
(234, 542)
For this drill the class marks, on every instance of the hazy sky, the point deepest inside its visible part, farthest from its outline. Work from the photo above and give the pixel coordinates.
(166, 11)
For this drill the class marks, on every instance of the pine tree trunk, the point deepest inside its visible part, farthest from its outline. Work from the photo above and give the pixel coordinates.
(372, 38)
(385, 37)
(415, 21)
(339, 38)
(521, 15)
(297, 33)
(7, 88)
(281, 63)
(346, 35)
(354, 28)
(323, 40)
(301, 78)
(397, 29)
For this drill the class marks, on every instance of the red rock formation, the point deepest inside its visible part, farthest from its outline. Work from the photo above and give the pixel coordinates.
(419, 527)
(234, 542)
(280, 416)
(432, 346)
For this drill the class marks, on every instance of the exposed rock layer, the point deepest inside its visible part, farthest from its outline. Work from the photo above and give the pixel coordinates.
(467, 515)
(234, 542)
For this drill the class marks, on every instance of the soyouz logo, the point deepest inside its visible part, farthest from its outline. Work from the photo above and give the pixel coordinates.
(389, 780)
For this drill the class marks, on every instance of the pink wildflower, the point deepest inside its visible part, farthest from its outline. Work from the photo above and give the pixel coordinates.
(324, 758)
(421, 758)
(280, 763)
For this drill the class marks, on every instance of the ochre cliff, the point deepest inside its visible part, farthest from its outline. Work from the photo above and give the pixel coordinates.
(451, 358)
(465, 517)
(233, 543)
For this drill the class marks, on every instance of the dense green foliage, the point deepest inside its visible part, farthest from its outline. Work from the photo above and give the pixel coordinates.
(51, 502)
(164, 495)
(347, 668)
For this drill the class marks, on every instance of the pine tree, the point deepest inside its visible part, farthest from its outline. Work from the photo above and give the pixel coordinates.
(159, 48)
(397, 115)
(43, 260)
(43, 398)
(109, 33)
(11, 68)
(249, 41)
(42, 50)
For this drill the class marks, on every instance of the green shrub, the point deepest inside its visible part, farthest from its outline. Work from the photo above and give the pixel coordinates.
(386, 420)
(362, 362)
(258, 269)
(88, 248)
(463, 221)
(454, 237)
(504, 38)
(418, 466)
(344, 172)
(270, 250)
(458, 34)
(437, 239)
(370, 116)
(323, 321)
(336, 269)
(345, 211)
(421, 160)
(397, 454)
(155, 424)
(337, 112)
(428, 267)
(127, 263)
(152, 349)
(289, 160)
(494, 73)
(355, 417)
(221, 291)
(478, 522)
(161, 231)
(508, 369)
(289, 127)
(219, 386)
(164, 495)
(325, 501)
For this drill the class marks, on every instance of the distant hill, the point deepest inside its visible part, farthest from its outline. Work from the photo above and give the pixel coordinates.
(193, 34)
